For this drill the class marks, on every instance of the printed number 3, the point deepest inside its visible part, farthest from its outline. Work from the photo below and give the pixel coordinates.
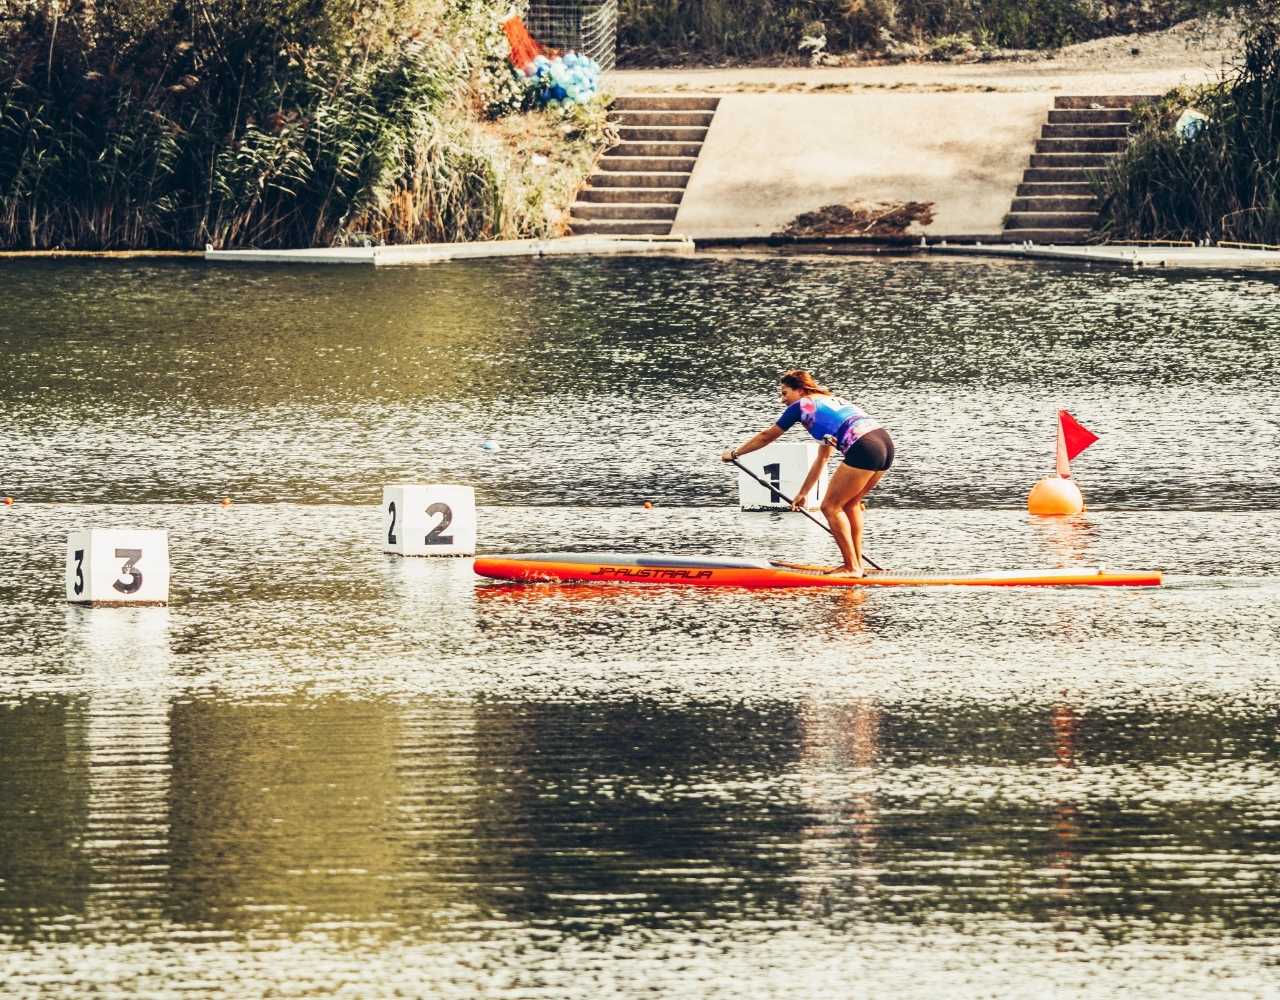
(78, 588)
(130, 556)
(434, 536)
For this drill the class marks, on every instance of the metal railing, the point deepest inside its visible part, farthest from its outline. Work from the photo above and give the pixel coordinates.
(1233, 245)
(1149, 243)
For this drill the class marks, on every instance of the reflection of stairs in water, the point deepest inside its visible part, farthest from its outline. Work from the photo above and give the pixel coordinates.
(638, 184)
(1055, 202)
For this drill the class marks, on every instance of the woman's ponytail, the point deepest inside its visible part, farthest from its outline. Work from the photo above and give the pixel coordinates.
(800, 379)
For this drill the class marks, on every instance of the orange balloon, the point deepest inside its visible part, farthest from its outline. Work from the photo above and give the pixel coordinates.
(1054, 497)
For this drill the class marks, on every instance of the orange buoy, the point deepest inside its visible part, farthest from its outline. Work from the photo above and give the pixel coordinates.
(226, 501)
(1055, 496)
(8, 501)
(648, 505)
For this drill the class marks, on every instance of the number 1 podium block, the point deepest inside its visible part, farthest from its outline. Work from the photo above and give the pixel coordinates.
(782, 464)
(107, 567)
(428, 520)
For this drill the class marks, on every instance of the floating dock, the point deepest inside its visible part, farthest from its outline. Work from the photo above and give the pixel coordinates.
(434, 253)
(1198, 258)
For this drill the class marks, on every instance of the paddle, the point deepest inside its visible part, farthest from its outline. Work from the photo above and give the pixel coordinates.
(825, 527)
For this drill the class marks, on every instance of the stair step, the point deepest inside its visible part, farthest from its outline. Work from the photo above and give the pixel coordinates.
(1056, 175)
(1087, 203)
(1079, 161)
(655, 149)
(668, 102)
(647, 164)
(1090, 116)
(1055, 189)
(631, 196)
(662, 133)
(1103, 101)
(1088, 130)
(626, 178)
(616, 228)
(1080, 145)
(677, 118)
(597, 210)
(1050, 220)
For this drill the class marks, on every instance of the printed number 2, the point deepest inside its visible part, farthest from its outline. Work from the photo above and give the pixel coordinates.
(78, 588)
(391, 531)
(130, 556)
(434, 536)
(774, 472)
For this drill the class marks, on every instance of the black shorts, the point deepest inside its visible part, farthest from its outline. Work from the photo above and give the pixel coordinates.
(873, 451)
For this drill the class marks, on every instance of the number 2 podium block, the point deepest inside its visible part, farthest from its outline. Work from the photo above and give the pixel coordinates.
(428, 520)
(782, 464)
(117, 566)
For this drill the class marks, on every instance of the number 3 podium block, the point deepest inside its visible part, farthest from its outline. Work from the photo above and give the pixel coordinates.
(117, 566)
(782, 464)
(428, 520)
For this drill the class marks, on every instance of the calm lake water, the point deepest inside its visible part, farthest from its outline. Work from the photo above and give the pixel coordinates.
(326, 771)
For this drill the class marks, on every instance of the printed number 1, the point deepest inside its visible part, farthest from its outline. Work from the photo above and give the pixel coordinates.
(130, 557)
(78, 588)
(774, 472)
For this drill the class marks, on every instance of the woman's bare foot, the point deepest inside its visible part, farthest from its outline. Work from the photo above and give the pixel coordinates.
(845, 571)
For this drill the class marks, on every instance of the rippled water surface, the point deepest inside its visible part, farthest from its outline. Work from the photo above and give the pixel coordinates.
(322, 770)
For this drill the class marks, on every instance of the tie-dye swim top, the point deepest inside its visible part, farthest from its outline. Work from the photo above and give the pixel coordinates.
(823, 415)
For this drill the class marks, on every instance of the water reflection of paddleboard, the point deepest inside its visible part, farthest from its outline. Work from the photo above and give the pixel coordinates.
(712, 571)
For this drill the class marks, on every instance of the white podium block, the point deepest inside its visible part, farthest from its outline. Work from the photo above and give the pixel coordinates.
(116, 566)
(782, 464)
(428, 520)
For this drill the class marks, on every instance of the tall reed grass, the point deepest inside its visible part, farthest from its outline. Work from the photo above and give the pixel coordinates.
(266, 123)
(1222, 183)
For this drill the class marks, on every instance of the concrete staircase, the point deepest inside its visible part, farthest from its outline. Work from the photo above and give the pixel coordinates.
(638, 184)
(1054, 202)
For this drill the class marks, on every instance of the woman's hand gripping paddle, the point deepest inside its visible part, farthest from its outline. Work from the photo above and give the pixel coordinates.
(773, 489)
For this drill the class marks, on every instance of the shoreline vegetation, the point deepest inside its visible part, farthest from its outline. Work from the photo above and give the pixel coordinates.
(1204, 162)
(138, 124)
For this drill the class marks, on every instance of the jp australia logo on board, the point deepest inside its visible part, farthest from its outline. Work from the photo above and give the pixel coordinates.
(653, 574)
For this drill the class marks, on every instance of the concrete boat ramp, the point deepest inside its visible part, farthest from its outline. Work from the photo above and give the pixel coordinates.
(434, 253)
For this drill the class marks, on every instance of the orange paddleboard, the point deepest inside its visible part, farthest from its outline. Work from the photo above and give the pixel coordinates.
(710, 571)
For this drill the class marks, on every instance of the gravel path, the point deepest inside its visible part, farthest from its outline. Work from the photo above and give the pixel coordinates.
(1194, 52)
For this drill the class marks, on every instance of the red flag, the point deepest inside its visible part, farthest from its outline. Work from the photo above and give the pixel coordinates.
(1073, 438)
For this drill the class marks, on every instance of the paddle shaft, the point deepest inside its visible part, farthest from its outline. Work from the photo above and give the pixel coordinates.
(825, 527)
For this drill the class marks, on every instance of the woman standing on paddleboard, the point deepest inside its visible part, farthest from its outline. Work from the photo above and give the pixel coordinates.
(866, 446)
